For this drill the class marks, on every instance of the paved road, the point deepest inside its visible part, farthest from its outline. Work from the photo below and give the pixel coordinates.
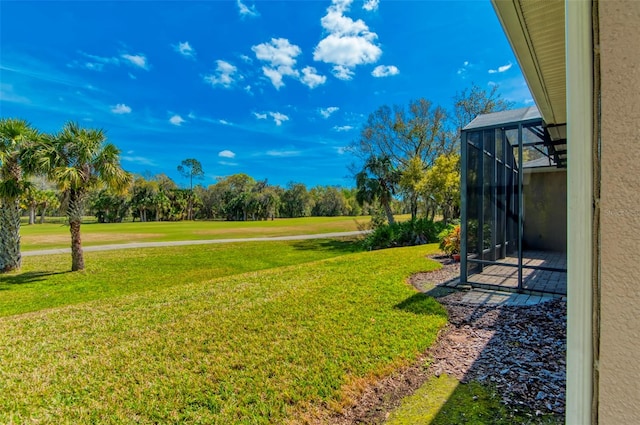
(198, 242)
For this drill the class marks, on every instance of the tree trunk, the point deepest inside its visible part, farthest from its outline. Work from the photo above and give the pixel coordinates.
(414, 206)
(388, 212)
(74, 214)
(32, 214)
(44, 209)
(77, 256)
(10, 256)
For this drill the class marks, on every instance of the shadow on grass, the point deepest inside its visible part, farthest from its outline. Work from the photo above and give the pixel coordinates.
(28, 277)
(480, 395)
(421, 304)
(346, 246)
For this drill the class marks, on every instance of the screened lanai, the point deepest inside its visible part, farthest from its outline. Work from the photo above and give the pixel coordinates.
(514, 203)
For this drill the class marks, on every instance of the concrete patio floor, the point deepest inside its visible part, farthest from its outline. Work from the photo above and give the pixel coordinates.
(534, 281)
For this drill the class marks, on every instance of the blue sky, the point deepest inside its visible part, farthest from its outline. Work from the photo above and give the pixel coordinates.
(274, 89)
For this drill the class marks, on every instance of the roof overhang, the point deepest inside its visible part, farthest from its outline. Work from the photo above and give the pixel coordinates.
(536, 31)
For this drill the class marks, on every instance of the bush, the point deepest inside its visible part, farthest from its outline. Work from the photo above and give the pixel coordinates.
(450, 240)
(408, 233)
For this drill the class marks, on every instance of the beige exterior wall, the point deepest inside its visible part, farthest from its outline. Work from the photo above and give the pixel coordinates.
(619, 380)
(545, 210)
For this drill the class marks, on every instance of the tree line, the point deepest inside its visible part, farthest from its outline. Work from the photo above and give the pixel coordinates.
(409, 161)
(238, 197)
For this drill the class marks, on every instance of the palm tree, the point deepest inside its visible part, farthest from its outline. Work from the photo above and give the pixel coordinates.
(377, 181)
(15, 136)
(79, 160)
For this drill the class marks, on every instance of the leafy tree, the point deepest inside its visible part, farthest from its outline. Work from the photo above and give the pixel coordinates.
(144, 198)
(16, 161)
(192, 169)
(80, 160)
(411, 181)
(29, 200)
(475, 101)
(49, 200)
(264, 201)
(109, 206)
(442, 182)
(377, 182)
(400, 135)
(353, 208)
(329, 202)
(296, 201)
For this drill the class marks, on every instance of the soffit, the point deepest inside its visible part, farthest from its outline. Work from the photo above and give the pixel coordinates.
(535, 29)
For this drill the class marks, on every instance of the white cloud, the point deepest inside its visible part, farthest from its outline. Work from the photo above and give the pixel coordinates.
(464, 69)
(246, 58)
(94, 66)
(326, 112)
(342, 150)
(274, 75)
(228, 163)
(138, 60)
(278, 118)
(348, 44)
(176, 120)
(502, 68)
(311, 78)
(342, 72)
(226, 154)
(247, 11)
(133, 77)
(247, 88)
(343, 128)
(185, 49)
(225, 75)
(280, 56)
(138, 159)
(370, 5)
(283, 153)
(348, 51)
(96, 63)
(8, 94)
(121, 108)
(224, 122)
(101, 59)
(385, 71)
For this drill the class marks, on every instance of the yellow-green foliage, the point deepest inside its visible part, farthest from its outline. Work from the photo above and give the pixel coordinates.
(248, 348)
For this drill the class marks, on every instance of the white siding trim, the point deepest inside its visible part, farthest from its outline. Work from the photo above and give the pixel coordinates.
(579, 80)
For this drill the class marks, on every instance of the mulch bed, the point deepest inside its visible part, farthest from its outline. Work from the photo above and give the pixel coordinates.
(520, 351)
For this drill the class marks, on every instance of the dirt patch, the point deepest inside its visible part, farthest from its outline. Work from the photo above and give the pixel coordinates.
(518, 350)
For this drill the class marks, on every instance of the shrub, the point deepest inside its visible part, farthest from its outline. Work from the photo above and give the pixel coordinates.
(450, 240)
(408, 233)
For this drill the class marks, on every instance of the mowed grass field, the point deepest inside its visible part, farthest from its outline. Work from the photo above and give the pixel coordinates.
(245, 333)
(56, 235)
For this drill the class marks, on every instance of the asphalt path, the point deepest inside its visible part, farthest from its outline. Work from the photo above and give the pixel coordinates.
(134, 245)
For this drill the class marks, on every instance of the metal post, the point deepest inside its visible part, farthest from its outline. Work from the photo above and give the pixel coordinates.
(494, 199)
(463, 206)
(520, 207)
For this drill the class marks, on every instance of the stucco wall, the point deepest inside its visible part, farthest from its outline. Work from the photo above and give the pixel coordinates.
(619, 386)
(545, 207)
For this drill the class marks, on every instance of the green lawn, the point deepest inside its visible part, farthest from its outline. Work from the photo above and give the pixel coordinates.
(444, 400)
(45, 281)
(222, 334)
(48, 236)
